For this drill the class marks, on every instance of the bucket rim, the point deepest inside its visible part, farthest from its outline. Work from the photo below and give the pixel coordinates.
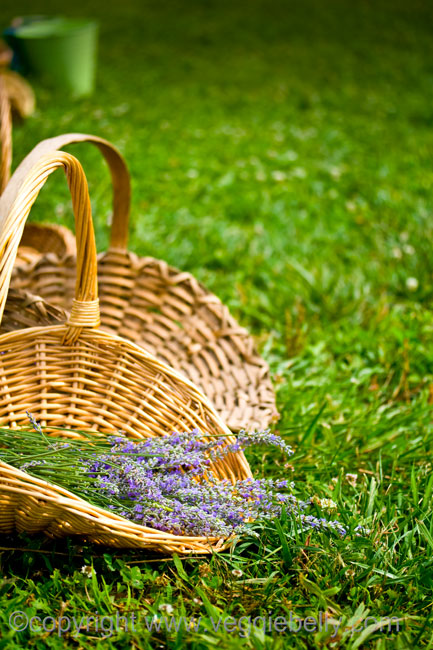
(73, 25)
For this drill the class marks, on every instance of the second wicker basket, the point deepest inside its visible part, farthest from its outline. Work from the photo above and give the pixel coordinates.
(164, 310)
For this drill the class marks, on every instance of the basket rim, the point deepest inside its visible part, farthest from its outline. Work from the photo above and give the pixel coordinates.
(118, 525)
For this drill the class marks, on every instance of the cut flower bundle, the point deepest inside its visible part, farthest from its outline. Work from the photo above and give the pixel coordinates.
(165, 483)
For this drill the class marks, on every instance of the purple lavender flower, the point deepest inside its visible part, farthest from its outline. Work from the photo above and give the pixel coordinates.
(162, 483)
(165, 483)
(32, 463)
(37, 427)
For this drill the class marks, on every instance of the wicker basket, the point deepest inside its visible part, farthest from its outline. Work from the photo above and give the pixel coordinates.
(166, 311)
(15, 93)
(77, 376)
(6, 55)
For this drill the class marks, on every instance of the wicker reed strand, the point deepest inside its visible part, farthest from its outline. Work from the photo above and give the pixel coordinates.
(5, 135)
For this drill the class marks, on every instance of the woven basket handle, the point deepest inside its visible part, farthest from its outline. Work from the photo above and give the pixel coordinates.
(5, 136)
(85, 307)
(119, 178)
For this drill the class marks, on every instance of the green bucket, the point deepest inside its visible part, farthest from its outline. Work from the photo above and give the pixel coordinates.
(61, 51)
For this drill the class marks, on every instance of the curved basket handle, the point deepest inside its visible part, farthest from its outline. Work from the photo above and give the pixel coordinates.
(119, 178)
(85, 306)
(5, 136)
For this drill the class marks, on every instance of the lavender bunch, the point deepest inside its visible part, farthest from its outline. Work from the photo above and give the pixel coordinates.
(189, 501)
(164, 483)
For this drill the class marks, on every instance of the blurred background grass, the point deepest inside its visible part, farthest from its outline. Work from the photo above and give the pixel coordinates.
(260, 135)
(281, 152)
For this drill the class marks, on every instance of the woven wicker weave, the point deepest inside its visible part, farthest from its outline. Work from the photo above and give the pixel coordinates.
(37, 238)
(77, 376)
(166, 311)
(23, 310)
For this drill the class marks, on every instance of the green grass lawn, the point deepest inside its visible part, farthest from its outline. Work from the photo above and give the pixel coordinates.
(281, 152)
